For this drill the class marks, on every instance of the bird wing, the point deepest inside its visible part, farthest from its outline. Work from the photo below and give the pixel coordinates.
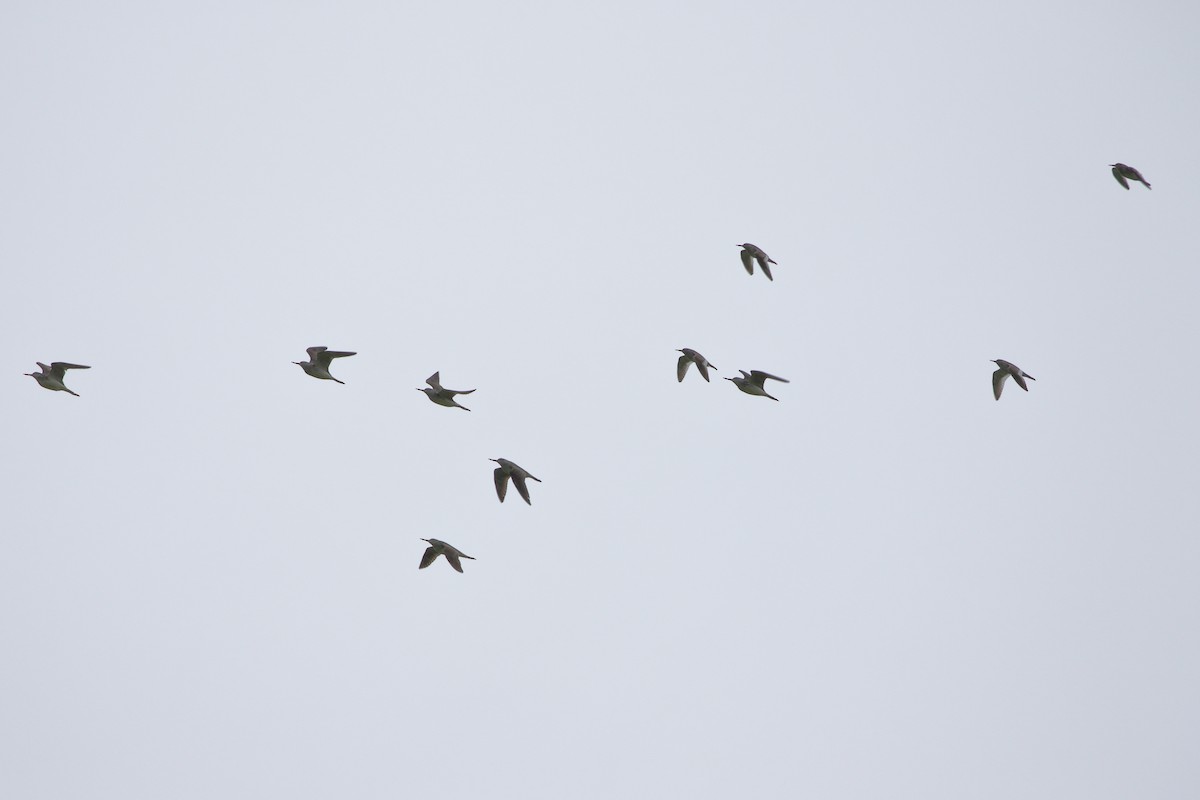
(1120, 178)
(501, 478)
(453, 392)
(452, 557)
(329, 355)
(681, 367)
(758, 376)
(313, 352)
(748, 261)
(762, 262)
(430, 556)
(1020, 379)
(434, 380)
(59, 368)
(703, 367)
(522, 489)
(998, 378)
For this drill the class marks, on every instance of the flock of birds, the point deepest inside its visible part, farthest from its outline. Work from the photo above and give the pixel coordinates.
(753, 383)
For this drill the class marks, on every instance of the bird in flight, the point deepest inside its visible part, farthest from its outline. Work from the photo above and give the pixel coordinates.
(688, 358)
(1007, 368)
(752, 253)
(318, 362)
(752, 382)
(51, 377)
(506, 471)
(441, 396)
(439, 548)
(1123, 171)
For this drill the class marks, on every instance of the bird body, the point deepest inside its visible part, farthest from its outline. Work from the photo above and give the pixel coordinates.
(439, 548)
(442, 396)
(688, 358)
(1002, 374)
(1123, 171)
(510, 471)
(51, 376)
(752, 382)
(752, 253)
(318, 362)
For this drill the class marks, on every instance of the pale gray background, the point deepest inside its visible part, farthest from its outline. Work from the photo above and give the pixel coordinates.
(887, 585)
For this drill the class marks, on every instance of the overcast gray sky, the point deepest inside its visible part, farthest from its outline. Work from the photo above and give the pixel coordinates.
(886, 585)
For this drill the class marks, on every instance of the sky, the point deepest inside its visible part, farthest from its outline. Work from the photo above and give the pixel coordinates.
(887, 584)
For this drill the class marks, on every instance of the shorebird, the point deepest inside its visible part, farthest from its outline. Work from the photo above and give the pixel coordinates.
(439, 548)
(1123, 171)
(752, 253)
(752, 382)
(318, 362)
(443, 397)
(506, 470)
(1008, 368)
(51, 377)
(688, 358)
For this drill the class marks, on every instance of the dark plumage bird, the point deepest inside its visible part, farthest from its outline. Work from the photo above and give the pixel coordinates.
(1123, 171)
(318, 363)
(752, 253)
(752, 382)
(442, 396)
(688, 358)
(439, 548)
(1007, 368)
(510, 471)
(51, 377)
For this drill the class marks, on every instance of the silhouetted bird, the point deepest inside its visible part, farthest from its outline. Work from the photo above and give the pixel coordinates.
(688, 358)
(752, 253)
(51, 377)
(752, 382)
(1008, 368)
(318, 363)
(1123, 171)
(439, 548)
(441, 396)
(507, 470)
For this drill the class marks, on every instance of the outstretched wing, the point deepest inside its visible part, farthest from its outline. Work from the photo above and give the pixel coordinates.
(1020, 379)
(501, 482)
(429, 557)
(59, 368)
(434, 380)
(762, 262)
(522, 489)
(681, 367)
(1121, 180)
(700, 365)
(748, 261)
(329, 355)
(453, 559)
(998, 378)
(313, 352)
(759, 376)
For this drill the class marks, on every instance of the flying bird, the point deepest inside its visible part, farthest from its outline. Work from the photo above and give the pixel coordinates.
(688, 358)
(752, 253)
(1123, 171)
(752, 382)
(1007, 368)
(439, 548)
(318, 362)
(507, 470)
(441, 396)
(51, 377)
